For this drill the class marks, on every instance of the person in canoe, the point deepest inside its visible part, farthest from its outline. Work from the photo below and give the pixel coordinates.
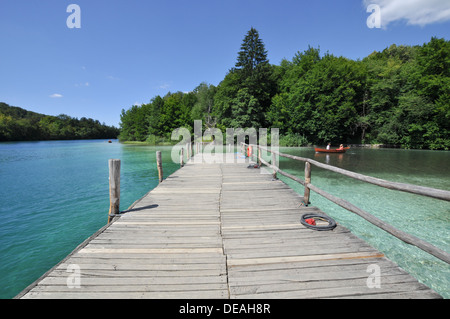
(328, 146)
(341, 147)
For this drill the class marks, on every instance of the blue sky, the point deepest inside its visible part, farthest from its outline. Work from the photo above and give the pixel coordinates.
(128, 51)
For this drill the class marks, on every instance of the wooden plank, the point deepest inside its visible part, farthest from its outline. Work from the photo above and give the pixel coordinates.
(150, 250)
(308, 286)
(173, 275)
(174, 223)
(184, 259)
(132, 281)
(135, 288)
(123, 265)
(289, 259)
(197, 294)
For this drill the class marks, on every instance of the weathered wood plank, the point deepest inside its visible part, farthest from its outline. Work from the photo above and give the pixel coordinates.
(150, 250)
(308, 286)
(122, 265)
(201, 294)
(116, 281)
(135, 288)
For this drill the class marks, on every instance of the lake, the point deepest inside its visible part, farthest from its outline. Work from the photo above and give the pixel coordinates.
(54, 195)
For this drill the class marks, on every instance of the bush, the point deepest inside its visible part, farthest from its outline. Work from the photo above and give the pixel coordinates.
(158, 140)
(293, 140)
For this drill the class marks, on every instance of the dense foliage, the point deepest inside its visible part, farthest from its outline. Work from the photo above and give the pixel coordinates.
(400, 96)
(17, 124)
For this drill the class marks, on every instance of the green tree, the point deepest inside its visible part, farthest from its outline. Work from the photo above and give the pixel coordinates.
(154, 116)
(244, 109)
(6, 129)
(224, 98)
(17, 124)
(301, 63)
(253, 54)
(321, 98)
(409, 91)
(252, 77)
(134, 125)
(203, 107)
(433, 61)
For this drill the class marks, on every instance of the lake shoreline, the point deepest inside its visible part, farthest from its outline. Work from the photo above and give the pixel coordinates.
(364, 146)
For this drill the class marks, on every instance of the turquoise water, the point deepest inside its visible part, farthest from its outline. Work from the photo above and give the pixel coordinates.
(426, 218)
(54, 195)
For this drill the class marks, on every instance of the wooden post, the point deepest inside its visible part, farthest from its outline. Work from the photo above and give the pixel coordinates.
(159, 166)
(307, 181)
(274, 164)
(114, 188)
(182, 157)
(259, 156)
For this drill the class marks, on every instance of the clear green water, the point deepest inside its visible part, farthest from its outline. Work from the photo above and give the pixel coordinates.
(54, 195)
(426, 218)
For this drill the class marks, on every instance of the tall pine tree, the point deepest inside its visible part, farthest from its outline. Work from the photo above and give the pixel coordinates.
(245, 94)
(253, 55)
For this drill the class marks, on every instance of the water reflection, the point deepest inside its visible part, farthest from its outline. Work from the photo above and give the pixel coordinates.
(325, 158)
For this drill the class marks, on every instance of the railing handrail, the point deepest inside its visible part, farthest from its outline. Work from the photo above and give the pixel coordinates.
(404, 187)
(407, 238)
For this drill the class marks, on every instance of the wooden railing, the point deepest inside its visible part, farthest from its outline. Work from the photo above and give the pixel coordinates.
(415, 189)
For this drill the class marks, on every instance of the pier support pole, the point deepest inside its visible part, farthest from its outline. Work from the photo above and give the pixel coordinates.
(259, 156)
(274, 175)
(159, 166)
(307, 181)
(182, 157)
(114, 188)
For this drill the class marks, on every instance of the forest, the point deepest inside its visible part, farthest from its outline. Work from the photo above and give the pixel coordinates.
(398, 97)
(18, 124)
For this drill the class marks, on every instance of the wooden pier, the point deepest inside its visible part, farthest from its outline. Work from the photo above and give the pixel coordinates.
(223, 231)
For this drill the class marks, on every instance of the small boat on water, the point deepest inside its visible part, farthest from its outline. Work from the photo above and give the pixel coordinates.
(324, 150)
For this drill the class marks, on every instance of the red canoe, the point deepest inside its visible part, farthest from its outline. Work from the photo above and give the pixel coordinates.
(323, 150)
